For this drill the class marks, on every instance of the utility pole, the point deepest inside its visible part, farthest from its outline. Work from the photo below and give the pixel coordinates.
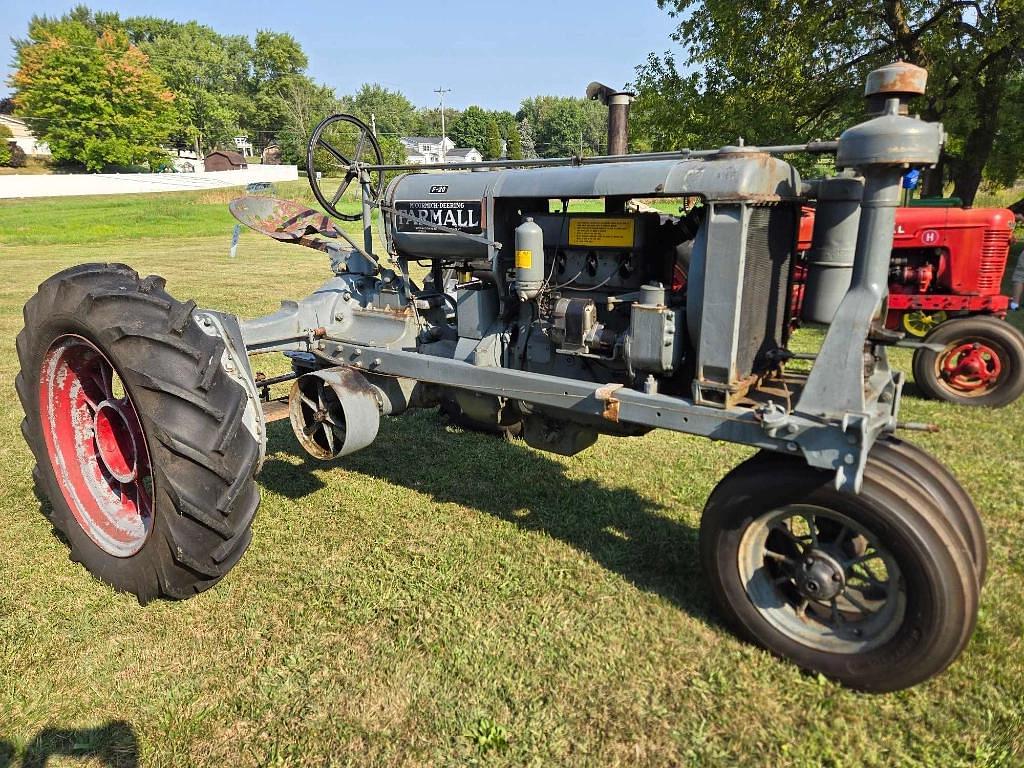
(373, 123)
(441, 91)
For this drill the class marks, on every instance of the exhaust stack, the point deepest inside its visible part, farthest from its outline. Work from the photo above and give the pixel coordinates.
(618, 115)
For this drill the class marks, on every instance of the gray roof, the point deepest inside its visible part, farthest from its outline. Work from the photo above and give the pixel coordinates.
(460, 151)
(420, 139)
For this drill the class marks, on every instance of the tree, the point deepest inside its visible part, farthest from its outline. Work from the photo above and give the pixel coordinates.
(95, 99)
(394, 113)
(470, 130)
(5, 145)
(305, 105)
(210, 75)
(774, 72)
(515, 144)
(428, 120)
(276, 55)
(492, 144)
(506, 122)
(565, 125)
(526, 139)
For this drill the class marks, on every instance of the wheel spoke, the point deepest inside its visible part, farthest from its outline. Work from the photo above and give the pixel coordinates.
(308, 402)
(341, 189)
(359, 146)
(329, 436)
(871, 574)
(837, 617)
(857, 603)
(860, 559)
(841, 536)
(779, 557)
(330, 148)
(798, 541)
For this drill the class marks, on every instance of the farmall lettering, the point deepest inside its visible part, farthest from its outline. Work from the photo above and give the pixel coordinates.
(461, 215)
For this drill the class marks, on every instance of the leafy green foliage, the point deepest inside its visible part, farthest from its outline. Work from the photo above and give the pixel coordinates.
(5, 145)
(515, 145)
(95, 100)
(565, 125)
(778, 72)
(485, 735)
(394, 113)
(224, 85)
(492, 144)
(428, 120)
(470, 130)
(305, 104)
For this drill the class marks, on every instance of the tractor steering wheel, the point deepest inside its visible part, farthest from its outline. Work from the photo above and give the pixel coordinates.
(337, 149)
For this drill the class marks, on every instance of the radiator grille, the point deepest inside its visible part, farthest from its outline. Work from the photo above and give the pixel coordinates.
(765, 286)
(993, 260)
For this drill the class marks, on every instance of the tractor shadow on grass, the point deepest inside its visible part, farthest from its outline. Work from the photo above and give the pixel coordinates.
(620, 529)
(112, 744)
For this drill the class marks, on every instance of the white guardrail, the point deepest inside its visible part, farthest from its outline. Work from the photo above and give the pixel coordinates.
(61, 185)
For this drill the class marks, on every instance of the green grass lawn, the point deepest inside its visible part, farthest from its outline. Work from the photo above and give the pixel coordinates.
(446, 598)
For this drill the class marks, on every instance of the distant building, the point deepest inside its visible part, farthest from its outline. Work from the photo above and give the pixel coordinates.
(428, 149)
(464, 155)
(243, 146)
(24, 137)
(224, 160)
(271, 155)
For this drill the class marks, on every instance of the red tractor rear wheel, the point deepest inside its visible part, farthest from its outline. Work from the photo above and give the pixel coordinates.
(138, 432)
(982, 362)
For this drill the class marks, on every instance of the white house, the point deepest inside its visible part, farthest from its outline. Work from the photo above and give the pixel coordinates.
(427, 149)
(464, 155)
(23, 136)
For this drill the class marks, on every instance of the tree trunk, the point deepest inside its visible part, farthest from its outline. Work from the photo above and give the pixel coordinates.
(934, 178)
(978, 144)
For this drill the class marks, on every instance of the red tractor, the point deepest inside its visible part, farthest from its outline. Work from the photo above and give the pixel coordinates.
(944, 288)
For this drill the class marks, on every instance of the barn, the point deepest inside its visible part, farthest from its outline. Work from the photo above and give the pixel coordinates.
(224, 160)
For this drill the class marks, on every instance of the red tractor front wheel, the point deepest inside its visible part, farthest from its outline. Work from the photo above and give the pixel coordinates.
(981, 363)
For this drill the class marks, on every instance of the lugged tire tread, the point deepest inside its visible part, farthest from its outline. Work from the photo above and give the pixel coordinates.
(185, 395)
(123, 333)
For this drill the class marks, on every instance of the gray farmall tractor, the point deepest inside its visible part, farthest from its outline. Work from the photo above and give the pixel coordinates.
(838, 546)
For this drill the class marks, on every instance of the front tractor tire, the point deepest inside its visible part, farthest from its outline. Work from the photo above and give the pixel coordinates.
(137, 432)
(982, 362)
(877, 590)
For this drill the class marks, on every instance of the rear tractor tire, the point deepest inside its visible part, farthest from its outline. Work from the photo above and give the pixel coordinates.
(877, 590)
(982, 362)
(137, 431)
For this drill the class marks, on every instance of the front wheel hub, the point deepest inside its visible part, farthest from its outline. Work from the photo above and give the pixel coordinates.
(820, 576)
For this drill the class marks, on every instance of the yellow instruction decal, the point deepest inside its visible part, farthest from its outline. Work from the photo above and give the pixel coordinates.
(524, 259)
(601, 233)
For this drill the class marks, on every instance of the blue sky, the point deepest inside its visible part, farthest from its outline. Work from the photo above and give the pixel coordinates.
(489, 53)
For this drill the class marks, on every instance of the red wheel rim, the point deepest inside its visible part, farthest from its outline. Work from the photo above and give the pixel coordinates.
(96, 445)
(970, 367)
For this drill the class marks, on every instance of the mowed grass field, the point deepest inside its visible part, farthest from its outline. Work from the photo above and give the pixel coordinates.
(447, 598)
